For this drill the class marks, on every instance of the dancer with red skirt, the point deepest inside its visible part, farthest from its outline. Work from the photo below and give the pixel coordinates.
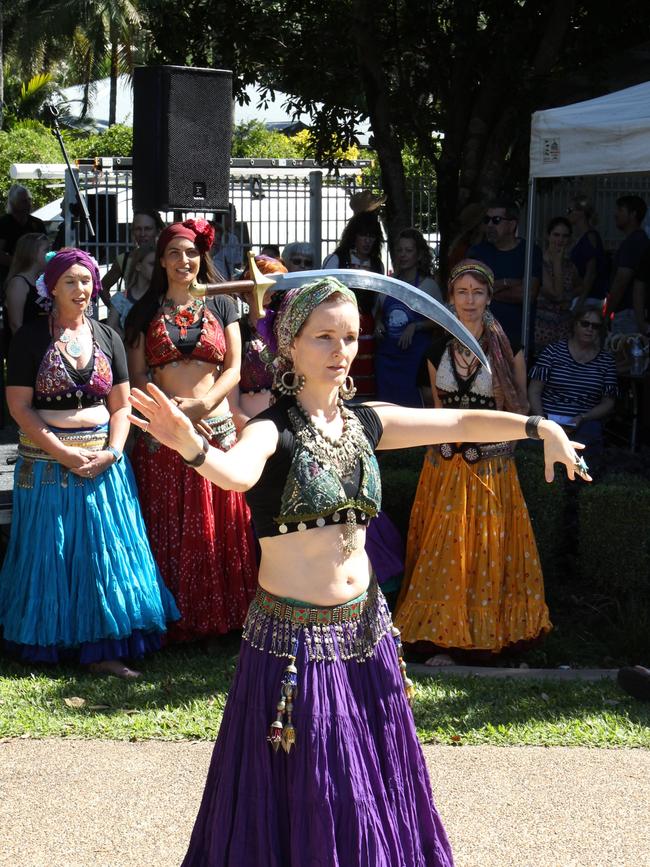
(201, 535)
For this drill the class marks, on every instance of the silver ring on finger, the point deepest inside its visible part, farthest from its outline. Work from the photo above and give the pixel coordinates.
(145, 427)
(580, 465)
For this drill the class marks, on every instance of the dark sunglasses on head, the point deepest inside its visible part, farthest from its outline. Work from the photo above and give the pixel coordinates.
(586, 323)
(295, 260)
(494, 220)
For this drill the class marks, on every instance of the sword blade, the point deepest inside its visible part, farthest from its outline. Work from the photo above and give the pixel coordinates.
(413, 297)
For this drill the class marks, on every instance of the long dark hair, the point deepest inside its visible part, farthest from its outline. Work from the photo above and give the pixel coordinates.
(367, 222)
(145, 309)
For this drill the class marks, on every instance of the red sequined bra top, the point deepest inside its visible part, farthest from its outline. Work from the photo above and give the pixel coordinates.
(210, 345)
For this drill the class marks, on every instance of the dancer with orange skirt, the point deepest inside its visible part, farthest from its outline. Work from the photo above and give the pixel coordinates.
(473, 575)
(201, 536)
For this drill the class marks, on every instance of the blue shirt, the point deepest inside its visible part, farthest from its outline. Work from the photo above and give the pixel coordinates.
(509, 265)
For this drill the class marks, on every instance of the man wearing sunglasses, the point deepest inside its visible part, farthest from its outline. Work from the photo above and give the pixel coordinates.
(505, 253)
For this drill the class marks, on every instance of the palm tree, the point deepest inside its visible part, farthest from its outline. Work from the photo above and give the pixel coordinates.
(83, 37)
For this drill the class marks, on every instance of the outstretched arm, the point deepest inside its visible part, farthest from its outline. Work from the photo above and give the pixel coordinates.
(405, 427)
(235, 470)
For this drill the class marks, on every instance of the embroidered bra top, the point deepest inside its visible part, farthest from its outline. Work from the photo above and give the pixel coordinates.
(36, 362)
(476, 391)
(299, 490)
(205, 340)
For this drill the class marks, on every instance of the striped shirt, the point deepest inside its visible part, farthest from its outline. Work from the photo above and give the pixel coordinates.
(572, 388)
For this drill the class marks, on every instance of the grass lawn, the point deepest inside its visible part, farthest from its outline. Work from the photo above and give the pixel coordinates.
(183, 692)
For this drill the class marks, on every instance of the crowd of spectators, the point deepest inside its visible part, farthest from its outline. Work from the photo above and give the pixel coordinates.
(219, 368)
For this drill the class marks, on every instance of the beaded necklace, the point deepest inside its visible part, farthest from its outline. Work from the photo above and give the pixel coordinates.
(341, 454)
(183, 315)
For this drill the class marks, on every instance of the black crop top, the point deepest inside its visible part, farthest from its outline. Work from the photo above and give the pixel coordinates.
(362, 492)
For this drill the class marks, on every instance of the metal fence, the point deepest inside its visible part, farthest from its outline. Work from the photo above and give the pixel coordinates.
(267, 208)
(601, 190)
(270, 207)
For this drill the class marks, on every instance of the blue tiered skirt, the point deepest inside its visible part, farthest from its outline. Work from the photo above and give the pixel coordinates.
(79, 580)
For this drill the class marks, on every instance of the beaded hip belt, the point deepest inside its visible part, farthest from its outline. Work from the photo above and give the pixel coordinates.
(474, 452)
(348, 631)
(97, 440)
(294, 611)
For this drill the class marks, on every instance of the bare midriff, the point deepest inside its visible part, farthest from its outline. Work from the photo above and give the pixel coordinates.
(312, 567)
(192, 378)
(89, 416)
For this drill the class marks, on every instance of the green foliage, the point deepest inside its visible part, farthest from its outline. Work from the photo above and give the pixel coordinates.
(253, 140)
(614, 556)
(24, 100)
(28, 142)
(547, 506)
(400, 471)
(116, 141)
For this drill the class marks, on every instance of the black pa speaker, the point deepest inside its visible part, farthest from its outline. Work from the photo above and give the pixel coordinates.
(182, 131)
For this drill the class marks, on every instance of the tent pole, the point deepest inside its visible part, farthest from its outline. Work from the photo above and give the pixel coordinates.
(530, 243)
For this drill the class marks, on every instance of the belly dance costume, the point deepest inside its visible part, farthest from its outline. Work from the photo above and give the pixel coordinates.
(473, 578)
(78, 580)
(201, 535)
(317, 760)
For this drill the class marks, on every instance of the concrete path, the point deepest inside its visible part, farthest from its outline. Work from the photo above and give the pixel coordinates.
(114, 804)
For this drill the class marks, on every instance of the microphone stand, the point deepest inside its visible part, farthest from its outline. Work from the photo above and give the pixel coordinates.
(53, 111)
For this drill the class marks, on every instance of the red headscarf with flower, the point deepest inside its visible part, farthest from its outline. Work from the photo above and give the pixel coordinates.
(199, 232)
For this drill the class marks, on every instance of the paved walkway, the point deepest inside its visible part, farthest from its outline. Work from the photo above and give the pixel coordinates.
(108, 804)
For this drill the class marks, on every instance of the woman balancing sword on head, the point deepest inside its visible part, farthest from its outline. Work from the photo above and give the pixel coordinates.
(319, 668)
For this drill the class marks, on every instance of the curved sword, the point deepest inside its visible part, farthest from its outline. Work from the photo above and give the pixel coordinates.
(413, 297)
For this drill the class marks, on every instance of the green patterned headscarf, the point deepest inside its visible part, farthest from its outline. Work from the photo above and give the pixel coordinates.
(298, 303)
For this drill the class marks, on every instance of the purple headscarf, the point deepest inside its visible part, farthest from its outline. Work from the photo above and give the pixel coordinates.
(59, 264)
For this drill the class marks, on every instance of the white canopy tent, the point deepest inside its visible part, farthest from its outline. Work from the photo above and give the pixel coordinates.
(606, 135)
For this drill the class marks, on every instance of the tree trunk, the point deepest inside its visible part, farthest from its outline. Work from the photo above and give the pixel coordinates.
(112, 104)
(368, 43)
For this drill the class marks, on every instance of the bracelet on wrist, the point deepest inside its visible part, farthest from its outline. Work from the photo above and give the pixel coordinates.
(532, 427)
(199, 460)
(117, 454)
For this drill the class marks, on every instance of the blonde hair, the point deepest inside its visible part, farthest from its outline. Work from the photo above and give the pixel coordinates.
(24, 256)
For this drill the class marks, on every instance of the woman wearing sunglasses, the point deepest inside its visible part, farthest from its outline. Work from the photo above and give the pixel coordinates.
(573, 382)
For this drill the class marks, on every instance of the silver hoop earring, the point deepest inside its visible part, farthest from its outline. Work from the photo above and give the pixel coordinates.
(290, 382)
(348, 389)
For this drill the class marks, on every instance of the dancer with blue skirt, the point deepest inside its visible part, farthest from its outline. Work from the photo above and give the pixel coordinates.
(78, 580)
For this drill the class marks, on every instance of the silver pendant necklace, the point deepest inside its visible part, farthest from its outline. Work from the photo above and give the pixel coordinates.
(73, 346)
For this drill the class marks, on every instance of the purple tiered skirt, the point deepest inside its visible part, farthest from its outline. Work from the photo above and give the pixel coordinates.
(353, 791)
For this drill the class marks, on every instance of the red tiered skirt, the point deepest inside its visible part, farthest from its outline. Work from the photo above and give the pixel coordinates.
(202, 539)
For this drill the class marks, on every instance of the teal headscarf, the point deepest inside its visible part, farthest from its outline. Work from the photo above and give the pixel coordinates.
(296, 306)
